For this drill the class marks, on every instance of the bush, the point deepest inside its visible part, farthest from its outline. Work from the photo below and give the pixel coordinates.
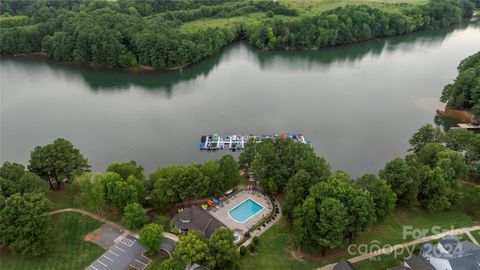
(252, 247)
(255, 240)
(243, 250)
(165, 222)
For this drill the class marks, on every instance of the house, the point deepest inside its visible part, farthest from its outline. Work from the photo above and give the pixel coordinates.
(196, 218)
(452, 254)
(414, 263)
(343, 265)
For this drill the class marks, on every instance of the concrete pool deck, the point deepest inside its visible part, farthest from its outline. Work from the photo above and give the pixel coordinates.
(222, 212)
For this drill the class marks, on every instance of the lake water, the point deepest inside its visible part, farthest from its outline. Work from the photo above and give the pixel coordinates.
(358, 104)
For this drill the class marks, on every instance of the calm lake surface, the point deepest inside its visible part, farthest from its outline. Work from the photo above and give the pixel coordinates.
(358, 104)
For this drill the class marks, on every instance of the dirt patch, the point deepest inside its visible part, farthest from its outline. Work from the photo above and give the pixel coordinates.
(297, 255)
(93, 237)
(103, 236)
(461, 116)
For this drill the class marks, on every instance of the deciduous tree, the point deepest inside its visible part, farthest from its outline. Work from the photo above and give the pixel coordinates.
(134, 216)
(150, 236)
(25, 224)
(57, 161)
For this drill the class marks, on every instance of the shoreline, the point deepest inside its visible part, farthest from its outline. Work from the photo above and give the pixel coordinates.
(134, 69)
(149, 69)
(463, 116)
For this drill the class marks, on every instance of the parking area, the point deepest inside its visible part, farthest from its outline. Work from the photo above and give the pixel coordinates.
(104, 236)
(127, 252)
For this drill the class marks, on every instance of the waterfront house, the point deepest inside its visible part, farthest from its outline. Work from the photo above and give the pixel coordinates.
(414, 263)
(452, 254)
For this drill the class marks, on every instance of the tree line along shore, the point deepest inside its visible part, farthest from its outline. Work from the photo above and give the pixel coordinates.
(142, 35)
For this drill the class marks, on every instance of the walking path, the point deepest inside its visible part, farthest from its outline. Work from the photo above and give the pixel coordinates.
(111, 223)
(407, 244)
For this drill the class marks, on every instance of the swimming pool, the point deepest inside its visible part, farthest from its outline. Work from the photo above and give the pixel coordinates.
(245, 210)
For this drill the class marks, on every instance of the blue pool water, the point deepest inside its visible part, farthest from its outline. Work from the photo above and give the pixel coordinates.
(245, 210)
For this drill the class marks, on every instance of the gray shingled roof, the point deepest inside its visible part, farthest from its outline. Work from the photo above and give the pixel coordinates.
(343, 265)
(197, 218)
(417, 263)
(462, 255)
(168, 245)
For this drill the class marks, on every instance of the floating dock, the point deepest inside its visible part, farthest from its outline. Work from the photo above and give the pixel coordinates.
(236, 142)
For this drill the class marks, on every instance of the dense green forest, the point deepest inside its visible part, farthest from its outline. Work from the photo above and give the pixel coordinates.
(464, 92)
(127, 33)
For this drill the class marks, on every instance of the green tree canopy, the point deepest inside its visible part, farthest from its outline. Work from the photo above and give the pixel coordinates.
(426, 134)
(12, 171)
(134, 216)
(297, 190)
(93, 189)
(384, 198)
(193, 249)
(398, 175)
(57, 161)
(127, 169)
(31, 182)
(26, 225)
(223, 250)
(150, 236)
(229, 171)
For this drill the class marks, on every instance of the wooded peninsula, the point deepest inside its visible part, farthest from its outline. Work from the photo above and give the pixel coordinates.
(172, 34)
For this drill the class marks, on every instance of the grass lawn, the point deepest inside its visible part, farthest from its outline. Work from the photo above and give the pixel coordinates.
(304, 7)
(277, 245)
(476, 234)
(317, 6)
(69, 198)
(66, 248)
(274, 251)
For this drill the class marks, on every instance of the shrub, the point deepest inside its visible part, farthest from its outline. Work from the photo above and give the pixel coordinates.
(243, 250)
(252, 247)
(255, 240)
(165, 222)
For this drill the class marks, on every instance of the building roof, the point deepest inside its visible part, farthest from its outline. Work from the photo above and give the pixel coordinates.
(197, 218)
(343, 265)
(168, 245)
(417, 263)
(461, 255)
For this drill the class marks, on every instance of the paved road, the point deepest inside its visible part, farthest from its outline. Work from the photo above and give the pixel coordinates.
(407, 244)
(124, 254)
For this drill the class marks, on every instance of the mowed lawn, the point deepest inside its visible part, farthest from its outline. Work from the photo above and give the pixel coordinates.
(476, 234)
(66, 249)
(277, 245)
(275, 251)
(317, 6)
(304, 7)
